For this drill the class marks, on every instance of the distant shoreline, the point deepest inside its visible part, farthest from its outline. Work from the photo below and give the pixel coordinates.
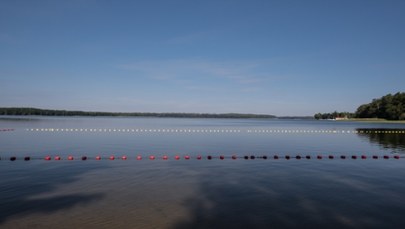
(27, 111)
(23, 111)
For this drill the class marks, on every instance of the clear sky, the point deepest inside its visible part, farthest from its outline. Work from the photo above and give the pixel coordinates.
(217, 56)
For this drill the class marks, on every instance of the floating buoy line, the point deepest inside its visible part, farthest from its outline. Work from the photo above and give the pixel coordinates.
(205, 130)
(171, 130)
(205, 157)
(202, 157)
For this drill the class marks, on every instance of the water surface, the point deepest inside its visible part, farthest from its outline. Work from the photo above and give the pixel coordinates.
(199, 193)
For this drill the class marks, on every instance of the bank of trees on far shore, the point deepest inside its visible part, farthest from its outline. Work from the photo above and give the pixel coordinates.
(44, 112)
(390, 107)
(334, 115)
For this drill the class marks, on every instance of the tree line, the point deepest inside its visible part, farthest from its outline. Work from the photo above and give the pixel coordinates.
(47, 112)
(390, 107)
(333, 115)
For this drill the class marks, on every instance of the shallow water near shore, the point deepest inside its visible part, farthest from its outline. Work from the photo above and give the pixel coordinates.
(253, 193)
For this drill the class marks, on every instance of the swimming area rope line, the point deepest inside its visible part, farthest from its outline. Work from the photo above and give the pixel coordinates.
(216, 130)
(206, 157)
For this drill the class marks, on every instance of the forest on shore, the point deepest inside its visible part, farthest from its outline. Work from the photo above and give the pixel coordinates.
(47, 112)
(389, 107)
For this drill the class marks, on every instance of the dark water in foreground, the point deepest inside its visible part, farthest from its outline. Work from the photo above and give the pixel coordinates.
(200, 193)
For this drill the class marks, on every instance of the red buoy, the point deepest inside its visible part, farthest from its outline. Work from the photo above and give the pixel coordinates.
(234, 157)
(151, 157)
(396, 156)
(57, 158)
(98, 158)
(139, 157)
(187, 157)
(47, 158)
(165, 157)
(124, 157)
(221, 157)
(112, 157)
(199, 157)
(177, 157)
(70, 158)
(386, 157)
(363, 157)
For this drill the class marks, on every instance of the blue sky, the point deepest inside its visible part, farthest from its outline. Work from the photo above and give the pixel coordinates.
(271, 57)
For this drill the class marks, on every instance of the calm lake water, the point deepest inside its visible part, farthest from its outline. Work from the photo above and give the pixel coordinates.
(254, 193)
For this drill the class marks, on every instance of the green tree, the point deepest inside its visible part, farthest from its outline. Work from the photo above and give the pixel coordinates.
(389, 107)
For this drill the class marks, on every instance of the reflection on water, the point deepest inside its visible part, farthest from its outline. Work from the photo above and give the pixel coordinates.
(297, 195)
(31, 190)
(387, 138)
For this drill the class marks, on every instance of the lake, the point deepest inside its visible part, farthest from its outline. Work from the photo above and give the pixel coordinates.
(200, 193)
